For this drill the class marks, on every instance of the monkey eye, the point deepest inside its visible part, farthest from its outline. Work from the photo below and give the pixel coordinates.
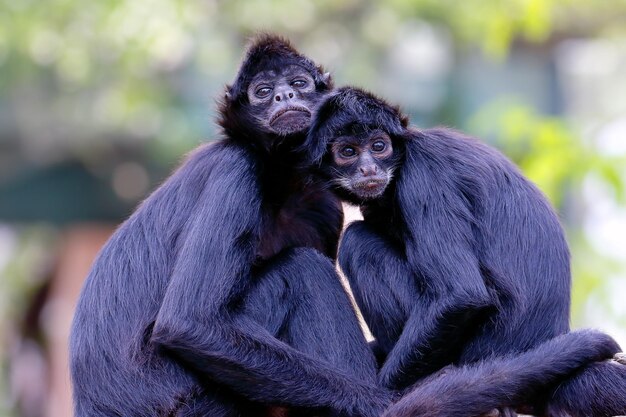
(347, 152)
(263, 91)
(378, 146)
(299, 83)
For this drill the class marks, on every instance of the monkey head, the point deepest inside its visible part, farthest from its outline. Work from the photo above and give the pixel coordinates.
(282, 100)
(363, 162)
(274, 94)
(356, 139)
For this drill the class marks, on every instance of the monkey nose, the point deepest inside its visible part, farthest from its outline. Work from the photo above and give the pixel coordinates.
(369, 170)
(282, 95)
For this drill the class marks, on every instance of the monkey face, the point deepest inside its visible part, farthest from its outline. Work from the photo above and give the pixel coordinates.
(362, 164)
(282, 101)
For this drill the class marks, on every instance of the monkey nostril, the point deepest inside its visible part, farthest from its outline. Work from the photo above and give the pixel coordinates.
(370, 170)
(277, 98)
(290, 95)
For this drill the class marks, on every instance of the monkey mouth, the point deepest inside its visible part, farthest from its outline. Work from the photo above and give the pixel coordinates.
(291, 110)
(369, 188)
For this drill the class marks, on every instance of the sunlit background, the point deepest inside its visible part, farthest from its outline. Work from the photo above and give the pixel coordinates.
(99, 100)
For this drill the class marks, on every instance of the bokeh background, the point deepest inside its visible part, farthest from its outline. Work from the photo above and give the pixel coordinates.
(99, 101)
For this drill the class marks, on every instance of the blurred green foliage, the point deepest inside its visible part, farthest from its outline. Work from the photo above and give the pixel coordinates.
(114, 68)
(546, 149)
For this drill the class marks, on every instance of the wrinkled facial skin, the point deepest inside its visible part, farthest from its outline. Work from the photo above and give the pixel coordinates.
(363, 165)
(282, 102)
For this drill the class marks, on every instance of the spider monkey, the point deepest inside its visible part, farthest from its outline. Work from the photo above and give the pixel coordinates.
(459, 258)
(219, 295)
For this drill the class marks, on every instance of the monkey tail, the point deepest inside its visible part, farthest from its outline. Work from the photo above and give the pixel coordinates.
(511, 381)
(597, 390)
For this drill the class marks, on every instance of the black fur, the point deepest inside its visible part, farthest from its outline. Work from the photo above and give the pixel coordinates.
(461, 259)
(473, 390)
(268, 52)
(217, 297)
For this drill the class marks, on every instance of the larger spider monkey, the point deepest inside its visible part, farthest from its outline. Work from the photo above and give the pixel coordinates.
(218, 296)
(459, 258)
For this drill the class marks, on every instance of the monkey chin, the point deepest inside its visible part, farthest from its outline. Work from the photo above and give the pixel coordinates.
(291, 122)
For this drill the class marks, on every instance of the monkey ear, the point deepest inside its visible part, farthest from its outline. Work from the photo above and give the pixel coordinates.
(228, 94)
(326, 77)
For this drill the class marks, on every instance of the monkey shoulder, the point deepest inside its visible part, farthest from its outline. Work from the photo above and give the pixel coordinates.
(213, 176)
(498, 176)
(486, 181)
(466, 160)
(220, 160)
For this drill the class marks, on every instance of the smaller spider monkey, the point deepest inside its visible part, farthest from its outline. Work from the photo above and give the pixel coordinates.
(459, 258)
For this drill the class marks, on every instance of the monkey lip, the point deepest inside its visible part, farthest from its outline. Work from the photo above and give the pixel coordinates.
(370, 184)
(289, 110)
(370, 188)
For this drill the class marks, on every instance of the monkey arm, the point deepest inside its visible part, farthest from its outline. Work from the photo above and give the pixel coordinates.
(437, 201)
(451, 306)
(510, 381)
(381, 281)
(417, 328)
(196, 325)
(430, 340)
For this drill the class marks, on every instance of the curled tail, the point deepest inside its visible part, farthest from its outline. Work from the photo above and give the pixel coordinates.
(510, 381)
(598, 390)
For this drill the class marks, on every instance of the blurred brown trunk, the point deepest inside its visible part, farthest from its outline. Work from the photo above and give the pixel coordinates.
(78, 248)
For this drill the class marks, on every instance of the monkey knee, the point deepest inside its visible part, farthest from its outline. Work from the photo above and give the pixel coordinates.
(292, 263)
(354, 229)
(307, 262)
(308, 273)
(306, 255)
(351, 245)
(354, 236)
(297, 272)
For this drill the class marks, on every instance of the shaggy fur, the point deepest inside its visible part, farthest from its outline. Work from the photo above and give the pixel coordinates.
(218, 296)
(460, 260)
